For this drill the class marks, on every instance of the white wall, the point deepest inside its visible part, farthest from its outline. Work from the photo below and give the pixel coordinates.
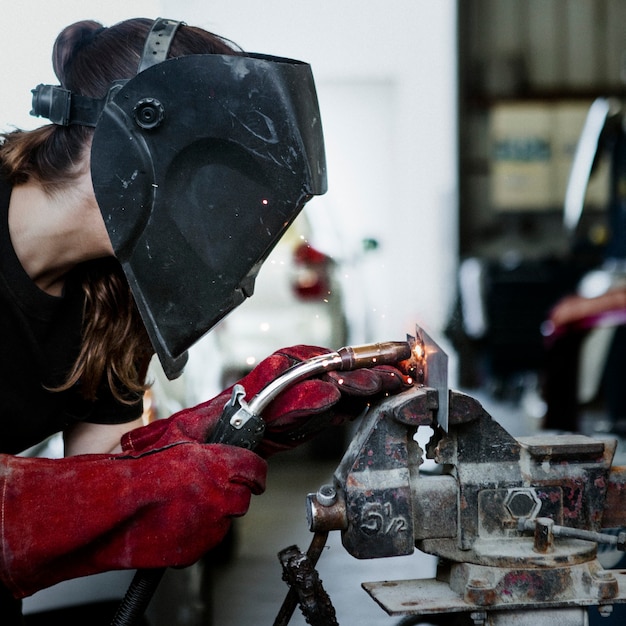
(26, 45)
(386, 77)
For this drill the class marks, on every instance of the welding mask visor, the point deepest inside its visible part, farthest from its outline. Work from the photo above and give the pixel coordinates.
(199, 165)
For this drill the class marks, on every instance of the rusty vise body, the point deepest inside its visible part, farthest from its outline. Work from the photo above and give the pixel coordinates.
(515, 522)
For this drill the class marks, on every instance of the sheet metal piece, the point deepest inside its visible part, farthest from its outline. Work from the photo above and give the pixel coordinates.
(436, 373)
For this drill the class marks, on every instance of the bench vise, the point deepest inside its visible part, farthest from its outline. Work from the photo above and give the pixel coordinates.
(515, 522)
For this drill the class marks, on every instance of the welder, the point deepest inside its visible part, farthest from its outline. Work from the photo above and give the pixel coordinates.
(133, 220)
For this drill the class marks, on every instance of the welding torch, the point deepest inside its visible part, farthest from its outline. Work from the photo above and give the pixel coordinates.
(241, 424)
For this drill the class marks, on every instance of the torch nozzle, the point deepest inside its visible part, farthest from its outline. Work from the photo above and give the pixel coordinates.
(369, 355)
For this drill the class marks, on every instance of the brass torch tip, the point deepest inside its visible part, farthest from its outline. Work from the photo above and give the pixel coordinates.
(368, 355)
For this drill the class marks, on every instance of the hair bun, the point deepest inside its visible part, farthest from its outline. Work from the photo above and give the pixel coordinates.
(69, 42)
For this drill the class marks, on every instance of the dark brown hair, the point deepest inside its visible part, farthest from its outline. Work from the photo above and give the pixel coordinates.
(87, 58)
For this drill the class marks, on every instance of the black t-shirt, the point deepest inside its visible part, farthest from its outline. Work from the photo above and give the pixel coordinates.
(39, 342)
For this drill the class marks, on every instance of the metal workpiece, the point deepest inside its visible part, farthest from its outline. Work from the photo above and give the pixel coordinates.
(435, 368)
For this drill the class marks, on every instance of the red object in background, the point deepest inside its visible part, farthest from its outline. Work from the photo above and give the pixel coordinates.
(311, 279)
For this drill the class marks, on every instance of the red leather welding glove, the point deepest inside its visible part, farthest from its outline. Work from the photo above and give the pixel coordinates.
(296, 415)
(71, 517)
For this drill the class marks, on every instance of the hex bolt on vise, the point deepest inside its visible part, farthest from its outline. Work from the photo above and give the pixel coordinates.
(515, 522)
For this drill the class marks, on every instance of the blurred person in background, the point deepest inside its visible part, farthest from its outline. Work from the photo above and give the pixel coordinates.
(570, 322)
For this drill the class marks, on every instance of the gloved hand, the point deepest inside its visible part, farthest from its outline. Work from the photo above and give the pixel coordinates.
(65, 518)
(295, 416)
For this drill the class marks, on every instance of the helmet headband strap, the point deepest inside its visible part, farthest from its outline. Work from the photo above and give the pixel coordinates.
(158, 42)
(63, 107)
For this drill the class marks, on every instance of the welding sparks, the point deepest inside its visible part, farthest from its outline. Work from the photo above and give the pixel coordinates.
(418, 350)
(414, 368)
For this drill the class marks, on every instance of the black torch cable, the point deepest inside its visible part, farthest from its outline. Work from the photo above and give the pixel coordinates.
(138, 596)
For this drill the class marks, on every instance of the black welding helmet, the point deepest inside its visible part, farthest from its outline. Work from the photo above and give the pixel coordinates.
(199, 164)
